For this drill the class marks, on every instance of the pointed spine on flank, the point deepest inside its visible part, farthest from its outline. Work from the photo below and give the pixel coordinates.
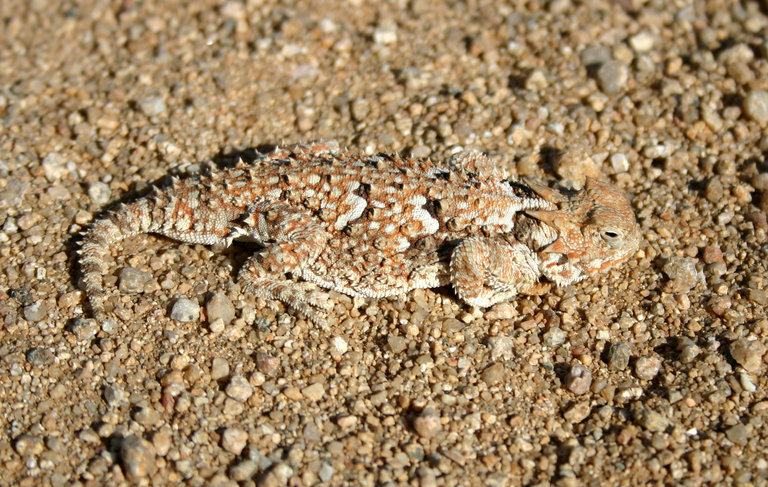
(143, 216)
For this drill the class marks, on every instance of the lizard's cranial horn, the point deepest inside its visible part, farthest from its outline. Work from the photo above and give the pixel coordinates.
(553, 218)
(549, 194)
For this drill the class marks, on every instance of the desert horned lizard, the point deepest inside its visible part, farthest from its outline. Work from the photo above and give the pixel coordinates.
(376, 226)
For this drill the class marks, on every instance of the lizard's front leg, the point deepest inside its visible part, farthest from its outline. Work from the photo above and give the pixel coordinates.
(293, 239)
(486, 271)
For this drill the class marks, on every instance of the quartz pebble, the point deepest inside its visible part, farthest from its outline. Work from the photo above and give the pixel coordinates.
(132, 280)
(219, 306)
(185, 310)
(682, 274)
(427, 424)
(748, 353)
(579, 379)
(756, 106)
(647, 368)
(138, 457)
(99, 193)
(239, 389)
(612, 76)
(234, 440)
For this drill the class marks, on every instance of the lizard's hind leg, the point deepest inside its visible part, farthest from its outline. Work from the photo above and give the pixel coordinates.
(293, 238)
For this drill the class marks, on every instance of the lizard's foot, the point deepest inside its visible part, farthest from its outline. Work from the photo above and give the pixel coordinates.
(304, 297)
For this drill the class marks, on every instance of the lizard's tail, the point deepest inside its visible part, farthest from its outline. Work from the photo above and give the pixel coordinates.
(127, 221)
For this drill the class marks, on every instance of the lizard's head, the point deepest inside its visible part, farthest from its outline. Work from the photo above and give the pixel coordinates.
(596, 226)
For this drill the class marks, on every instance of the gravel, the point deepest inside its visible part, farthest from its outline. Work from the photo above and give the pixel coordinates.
(665, 101)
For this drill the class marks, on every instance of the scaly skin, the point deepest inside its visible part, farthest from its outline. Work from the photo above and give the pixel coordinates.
(376, 226)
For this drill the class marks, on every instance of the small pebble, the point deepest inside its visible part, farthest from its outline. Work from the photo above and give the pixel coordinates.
(578, 412)
(27, 444)
(619, 162)
(325, 473)
(682, 274)
(37, 356)
(138, 457)
(712, 254)
(501, 347)
(652, 420)
(428, 423)
(314, 392)
(612, 76)
(688, 349)
(219, 306)
(243, 471)
(54, 166)
(756, 106)
(595, 54)
(385, 34)
(618, 356)
(267, 364)
(35, 312)
(748, 353)
(234, 440)
(239, 389)
(99, 192)
(219, 368)
(554, 336)
(132, 280)
(339, 346)
(738, 434)
(493, 374)
(579, 379)
(642, 41)
(185, 310)
(152, 106)
(115, 396)
(647, 368)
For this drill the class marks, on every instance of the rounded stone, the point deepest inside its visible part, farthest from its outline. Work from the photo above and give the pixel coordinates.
(756, 106)
(99, 192)
(185, 310)
(132, 280)
(239, 389)
(428, 423)
(234, 440)
(612, 76)
(738, 434)
(493, 374)
(682, 274)
(138, 457)
(35, 312)
(647, 368)
(152, 106)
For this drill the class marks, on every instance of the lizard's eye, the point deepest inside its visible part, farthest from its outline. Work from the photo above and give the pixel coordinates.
(611, 237)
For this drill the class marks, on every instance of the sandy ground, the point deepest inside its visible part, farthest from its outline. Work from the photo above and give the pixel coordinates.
(653, 373)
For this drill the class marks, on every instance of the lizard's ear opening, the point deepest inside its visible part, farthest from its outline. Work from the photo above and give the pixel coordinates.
(549, 194)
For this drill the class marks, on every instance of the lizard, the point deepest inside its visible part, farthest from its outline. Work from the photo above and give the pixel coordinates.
(377, 226)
